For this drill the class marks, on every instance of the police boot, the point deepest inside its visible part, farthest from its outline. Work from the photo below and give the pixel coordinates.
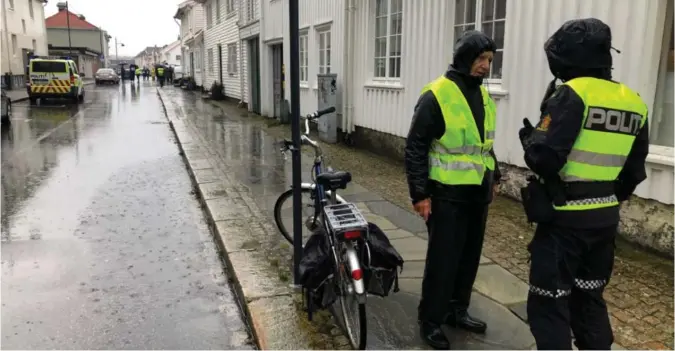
(433, 336)
(462, 320)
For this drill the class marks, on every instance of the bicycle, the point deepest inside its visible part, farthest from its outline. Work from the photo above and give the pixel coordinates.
(345, 226)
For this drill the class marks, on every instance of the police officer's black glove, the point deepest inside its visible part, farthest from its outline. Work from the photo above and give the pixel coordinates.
(525, 133)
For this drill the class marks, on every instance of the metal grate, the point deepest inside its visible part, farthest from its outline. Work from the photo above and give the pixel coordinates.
(345, 217)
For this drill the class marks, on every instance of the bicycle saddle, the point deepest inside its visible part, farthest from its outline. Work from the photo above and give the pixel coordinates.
(334, 179)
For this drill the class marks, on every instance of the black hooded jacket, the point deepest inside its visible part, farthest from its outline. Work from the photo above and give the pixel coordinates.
(428, 124)
(549, 145)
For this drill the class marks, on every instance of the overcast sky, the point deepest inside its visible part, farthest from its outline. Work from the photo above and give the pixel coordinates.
(136, 23)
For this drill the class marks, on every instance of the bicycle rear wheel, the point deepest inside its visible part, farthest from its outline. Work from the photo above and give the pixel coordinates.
(353, 309)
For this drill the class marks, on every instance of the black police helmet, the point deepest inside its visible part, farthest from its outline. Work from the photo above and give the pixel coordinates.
(580, 44)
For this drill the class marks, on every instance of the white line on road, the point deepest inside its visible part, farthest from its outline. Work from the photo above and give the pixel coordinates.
(50, 132)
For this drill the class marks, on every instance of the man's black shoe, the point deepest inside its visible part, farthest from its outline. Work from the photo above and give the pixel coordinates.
(433, 336)
(464, 321)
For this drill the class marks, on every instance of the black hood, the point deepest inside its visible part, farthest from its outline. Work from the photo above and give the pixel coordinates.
(580, 48)
(467, 48)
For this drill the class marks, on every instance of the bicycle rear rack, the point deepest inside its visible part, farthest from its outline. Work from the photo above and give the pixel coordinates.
(345, 217)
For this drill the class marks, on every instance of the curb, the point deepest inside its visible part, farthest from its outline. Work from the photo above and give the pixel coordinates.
(268, 304)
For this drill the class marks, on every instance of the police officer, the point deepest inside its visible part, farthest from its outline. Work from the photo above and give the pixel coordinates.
(589, 148)
(169, 73)
(139, 71)
(160, 74)
(452, 175)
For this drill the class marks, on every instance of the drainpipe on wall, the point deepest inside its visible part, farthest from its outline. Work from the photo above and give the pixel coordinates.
(8, 44)
(242, 79)
(345, 67)
(349, 72)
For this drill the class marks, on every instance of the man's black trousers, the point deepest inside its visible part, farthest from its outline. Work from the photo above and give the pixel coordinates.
(456, 232)
(569, 270)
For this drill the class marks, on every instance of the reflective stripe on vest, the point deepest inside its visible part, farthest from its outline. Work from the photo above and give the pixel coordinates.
(613, 116)
(160, 71)
(459, 157)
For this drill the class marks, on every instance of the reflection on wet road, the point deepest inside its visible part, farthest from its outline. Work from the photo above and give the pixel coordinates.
(103, 244)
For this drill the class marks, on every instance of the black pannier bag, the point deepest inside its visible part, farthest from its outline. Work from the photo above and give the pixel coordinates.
(316, 266)
(383, 264)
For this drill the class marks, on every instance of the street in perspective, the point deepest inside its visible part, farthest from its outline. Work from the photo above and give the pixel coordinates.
(104, 245)
(151, 165)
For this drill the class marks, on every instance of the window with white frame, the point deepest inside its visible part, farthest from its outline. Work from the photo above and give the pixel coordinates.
(23, 26)
(388, 33)
(210, 60)
(198, 59)
(34, 42)
(217, 11)
(324, 51)
(250, 10)
(232, 59)
(488, 16)
(11, 4)
(209, 16)
(230, 6)
(15, 45)
(30, 9)
(304, 58)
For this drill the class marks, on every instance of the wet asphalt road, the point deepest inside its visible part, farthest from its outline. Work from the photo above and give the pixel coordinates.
(103, 244)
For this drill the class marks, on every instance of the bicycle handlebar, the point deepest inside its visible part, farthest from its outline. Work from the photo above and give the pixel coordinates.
(288, 145)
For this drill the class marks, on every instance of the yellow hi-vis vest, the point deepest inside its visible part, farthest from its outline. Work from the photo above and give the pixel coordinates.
(160, 72)
(138, 71)
(613, 117)
(459, 157)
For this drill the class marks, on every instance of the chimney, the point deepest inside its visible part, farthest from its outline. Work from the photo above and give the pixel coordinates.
(81, 17)
(61, 6)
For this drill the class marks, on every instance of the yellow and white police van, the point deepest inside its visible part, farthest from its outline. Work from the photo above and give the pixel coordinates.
(54, 78)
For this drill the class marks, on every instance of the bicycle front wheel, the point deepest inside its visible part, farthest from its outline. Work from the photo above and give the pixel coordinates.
(283, 214)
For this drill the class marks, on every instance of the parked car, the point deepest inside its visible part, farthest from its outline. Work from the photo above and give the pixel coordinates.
(6, 107)
(106, 75)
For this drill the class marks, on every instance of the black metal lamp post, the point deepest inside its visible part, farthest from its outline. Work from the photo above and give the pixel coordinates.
(295, 129)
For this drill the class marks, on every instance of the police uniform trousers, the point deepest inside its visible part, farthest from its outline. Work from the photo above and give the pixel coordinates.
(456, 232)
(569, 270)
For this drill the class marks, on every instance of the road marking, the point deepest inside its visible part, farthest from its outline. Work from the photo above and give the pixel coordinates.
(48, 133)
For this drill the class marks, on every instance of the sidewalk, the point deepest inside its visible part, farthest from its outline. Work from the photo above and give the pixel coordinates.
(231, 154)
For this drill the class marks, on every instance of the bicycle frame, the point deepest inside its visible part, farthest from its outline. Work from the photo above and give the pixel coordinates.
(321, 198)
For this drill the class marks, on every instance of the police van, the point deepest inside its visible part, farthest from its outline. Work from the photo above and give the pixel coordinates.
(54, 77)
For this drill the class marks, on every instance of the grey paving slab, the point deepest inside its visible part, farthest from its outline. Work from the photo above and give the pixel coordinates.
(398, 234)
(200, 164)
(213, 190)
(520, 310)
(222, 209)
(380, 221)
(411, 249)
(413, 269)
(400, 217)
(206, 176)
(500, 285)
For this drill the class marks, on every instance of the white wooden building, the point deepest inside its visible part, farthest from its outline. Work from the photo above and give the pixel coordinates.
(250, 19)
(171, 53)
(192, 25)
(222, 45)
(384, 51)
(23, 31)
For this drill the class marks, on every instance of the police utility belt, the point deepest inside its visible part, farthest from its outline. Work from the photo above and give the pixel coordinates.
(540, 198)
